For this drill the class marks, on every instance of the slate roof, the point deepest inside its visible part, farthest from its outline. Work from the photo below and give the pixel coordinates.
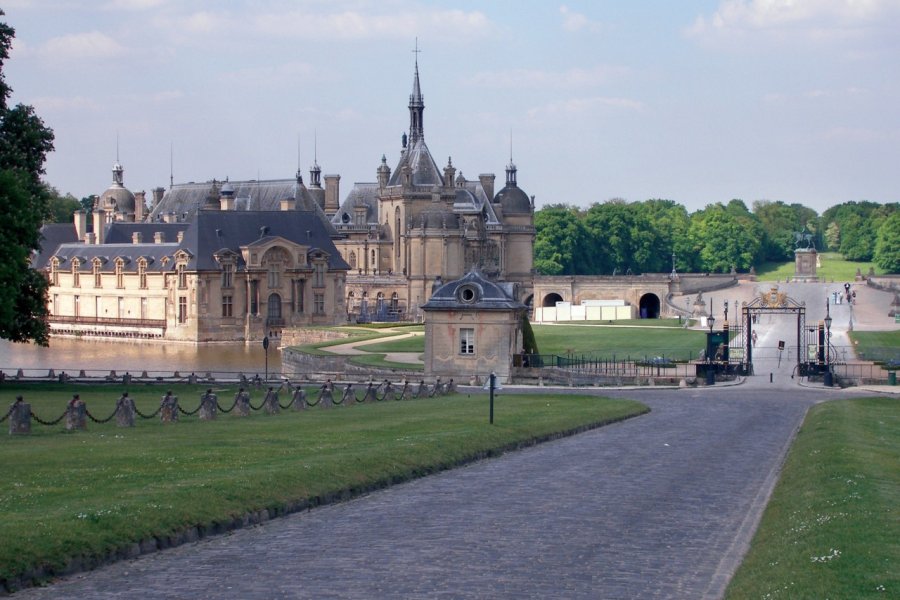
(488, 295)
(208, 233)
(187, 199)
(212, 231)
(362, 194)
(425, 171)
(52, 236)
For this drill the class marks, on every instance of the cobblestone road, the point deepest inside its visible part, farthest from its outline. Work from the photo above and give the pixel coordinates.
(661, 506)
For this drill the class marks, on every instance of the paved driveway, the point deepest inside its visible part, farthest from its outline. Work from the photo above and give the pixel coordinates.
(661, 506)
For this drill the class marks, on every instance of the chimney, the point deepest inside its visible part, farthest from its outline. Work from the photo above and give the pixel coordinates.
(80, 224)
(180, 236)
(159, 237)
(332, 194)
(136, 237)
(140, 205)
(287, 204)
(158, 196)
(226, 202)
(99, 224)
(90, 238)
(487, 182)
(169, 217)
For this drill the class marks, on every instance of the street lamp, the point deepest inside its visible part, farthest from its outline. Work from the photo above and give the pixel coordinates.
(829, 379)
(726, 311)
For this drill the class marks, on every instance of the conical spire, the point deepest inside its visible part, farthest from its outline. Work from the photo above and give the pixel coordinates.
(416, 105)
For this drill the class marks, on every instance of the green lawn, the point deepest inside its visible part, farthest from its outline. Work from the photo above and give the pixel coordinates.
(833, 267)
(379, 361)
(598, 341)
(881, 346)
(86, 494)
(621, 342)
(832, 529)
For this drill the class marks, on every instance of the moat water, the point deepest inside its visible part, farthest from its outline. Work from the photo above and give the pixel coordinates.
(134, 356)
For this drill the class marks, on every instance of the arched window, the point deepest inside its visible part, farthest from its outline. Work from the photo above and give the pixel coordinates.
(352, 259)
(120, 273)
(142, 273)
(274, 308)
(379, 302)
(76, 274)
(54, 271)
(395, 302)
(98, 281)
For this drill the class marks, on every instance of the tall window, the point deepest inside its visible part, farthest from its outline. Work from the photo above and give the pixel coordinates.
(55, 304)
(142, 274)
(352, 260)
(227, 306)
(395, 302)
(143, 308)
(301, 294)
(182, 277)
(254, 297)
(319, 275)
(120, 274)
(98, 282)
(182, 310)
(54, 272)
(274, 277)
(319, 301)
(120, 307)
(274, 306)
(467, 341)
(77, 306)
(76, 274)
(227, 275)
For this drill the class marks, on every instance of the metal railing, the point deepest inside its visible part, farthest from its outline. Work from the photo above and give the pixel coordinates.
(113, 321)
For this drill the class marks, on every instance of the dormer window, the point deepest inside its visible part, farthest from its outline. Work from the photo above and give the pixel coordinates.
(76, 275)
(227, 275)
(467, 294)
(54, 271)
(142, 274)
(182, 276)
(98, 281)
(120, 273)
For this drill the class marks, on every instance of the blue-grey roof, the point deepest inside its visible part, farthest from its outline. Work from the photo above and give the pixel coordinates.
(187, 199)
(52, 236)
(108, 253)
(484, 295)
(362, 194)
(121, 232)
(212, 231)
(425, 171)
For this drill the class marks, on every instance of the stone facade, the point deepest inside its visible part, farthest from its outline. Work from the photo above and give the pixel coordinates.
(473, 326)
(419, 222)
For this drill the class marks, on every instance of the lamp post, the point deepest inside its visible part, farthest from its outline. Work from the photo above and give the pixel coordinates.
(829, 378)
(726, 311)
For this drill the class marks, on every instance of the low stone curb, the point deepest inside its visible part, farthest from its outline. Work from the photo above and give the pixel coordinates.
(78, 564)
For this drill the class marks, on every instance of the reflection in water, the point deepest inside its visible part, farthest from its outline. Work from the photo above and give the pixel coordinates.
(71, 354)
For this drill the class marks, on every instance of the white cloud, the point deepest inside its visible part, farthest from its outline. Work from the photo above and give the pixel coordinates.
(815, 19)
(573, 21)
(535, 78)
(135, 4)
(354, 24)
(271, 74)
(585, 105)
(80, 46)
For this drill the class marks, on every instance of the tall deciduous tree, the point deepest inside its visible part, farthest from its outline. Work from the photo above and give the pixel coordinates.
(24, 144)
(887, 245)
(560, 245)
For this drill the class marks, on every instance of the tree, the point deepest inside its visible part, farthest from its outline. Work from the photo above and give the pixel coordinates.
(87, 203)
(24, 144)
(725, 236)
(560, 242)
(61, 208)
(887, 245)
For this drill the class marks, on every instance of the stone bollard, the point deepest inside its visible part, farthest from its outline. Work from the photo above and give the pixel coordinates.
(326, 400)
(208, 406)
(192, 379)
(370, 395)
(242, 403)
(81, 374)
(19, 417)
(144, 375)
(51, 374)
(76, 414)
(299, 399)
(125, 411)
(388, 391)
(270, 404)
(168, 408)
(348, 398)
(450, 388)
(126, 378)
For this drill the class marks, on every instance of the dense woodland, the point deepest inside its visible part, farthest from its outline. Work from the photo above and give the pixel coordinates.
(617, 237)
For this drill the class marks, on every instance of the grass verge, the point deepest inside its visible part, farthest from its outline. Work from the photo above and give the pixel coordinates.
(75, 500)
(831, 529)
(380, 361)
(881, 346)
(834, 267)
(621, 342)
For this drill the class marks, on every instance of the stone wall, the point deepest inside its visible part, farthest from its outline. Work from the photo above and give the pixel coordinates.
(298, 336)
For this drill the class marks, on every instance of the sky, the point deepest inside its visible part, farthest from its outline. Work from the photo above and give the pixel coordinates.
(697, 102)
